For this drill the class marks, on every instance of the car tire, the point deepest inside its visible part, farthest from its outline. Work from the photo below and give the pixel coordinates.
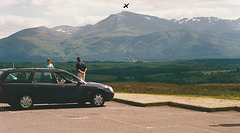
(97, 99)
(25, 102)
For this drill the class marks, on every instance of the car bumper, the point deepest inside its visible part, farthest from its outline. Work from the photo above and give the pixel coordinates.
(109, 96)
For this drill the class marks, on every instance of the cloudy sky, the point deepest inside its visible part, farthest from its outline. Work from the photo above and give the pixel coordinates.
(16, 15)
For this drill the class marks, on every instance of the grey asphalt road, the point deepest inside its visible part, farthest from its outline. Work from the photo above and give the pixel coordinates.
(115, 118)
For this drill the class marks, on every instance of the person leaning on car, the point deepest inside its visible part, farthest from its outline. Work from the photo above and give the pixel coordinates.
(81, 68)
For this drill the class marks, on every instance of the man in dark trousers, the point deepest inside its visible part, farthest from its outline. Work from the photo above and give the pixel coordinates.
(81, 68)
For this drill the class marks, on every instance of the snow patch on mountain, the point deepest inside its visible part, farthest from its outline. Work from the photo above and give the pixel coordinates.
(196, 20)
(184, 20)
(147, 18)
(210, 20)
(63, 31)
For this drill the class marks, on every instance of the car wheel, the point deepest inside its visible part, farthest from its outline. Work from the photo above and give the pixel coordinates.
(97, 99)
(25, 102)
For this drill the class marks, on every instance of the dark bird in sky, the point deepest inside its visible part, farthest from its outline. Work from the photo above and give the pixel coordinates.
(125, 5)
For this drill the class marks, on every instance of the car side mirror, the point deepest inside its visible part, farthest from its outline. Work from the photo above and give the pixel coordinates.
(80, 82)
(68, 81)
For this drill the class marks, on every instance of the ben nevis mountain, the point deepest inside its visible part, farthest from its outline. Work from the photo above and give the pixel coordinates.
(127, 36)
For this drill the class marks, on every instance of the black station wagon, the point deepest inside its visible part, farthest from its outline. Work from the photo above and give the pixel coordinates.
(23, 87)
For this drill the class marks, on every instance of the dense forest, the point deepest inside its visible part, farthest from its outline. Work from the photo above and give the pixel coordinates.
(203, 71)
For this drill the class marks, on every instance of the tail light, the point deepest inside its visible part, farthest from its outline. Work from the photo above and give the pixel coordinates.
(0, 88)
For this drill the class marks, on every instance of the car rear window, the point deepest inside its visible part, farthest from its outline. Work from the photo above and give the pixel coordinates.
(17, 77)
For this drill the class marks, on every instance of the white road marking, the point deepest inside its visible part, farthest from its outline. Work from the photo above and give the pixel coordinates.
(67, 117)
(128, 123)
(79, 118)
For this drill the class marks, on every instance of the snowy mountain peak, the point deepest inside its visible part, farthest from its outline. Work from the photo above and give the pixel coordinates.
(210, 20)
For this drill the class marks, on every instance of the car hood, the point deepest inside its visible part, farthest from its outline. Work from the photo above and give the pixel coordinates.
(94, 84)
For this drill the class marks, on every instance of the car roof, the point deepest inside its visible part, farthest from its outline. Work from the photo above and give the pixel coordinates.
(32, 69)
(36, 69)
(6, 69)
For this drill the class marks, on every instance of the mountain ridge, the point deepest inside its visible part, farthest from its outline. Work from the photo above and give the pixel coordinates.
(127, 36)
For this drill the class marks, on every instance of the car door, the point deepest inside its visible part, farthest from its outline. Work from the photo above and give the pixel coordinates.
(16, 83)
(69, 87)
(44, 85)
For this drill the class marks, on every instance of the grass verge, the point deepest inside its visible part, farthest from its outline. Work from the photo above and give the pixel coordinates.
(222, 91)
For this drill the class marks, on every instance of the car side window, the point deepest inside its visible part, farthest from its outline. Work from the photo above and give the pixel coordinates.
(43, 77)
(17, 77)
(64, 78)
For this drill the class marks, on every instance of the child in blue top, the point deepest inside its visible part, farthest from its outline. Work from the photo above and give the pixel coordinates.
(49, 64)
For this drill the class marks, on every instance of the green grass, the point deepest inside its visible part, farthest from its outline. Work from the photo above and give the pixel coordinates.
(222, 91)
(101, 78)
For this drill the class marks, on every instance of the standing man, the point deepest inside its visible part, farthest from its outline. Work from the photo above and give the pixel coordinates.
(81, 68)
(49, 64)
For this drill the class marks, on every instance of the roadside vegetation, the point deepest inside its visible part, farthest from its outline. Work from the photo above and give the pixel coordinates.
(222, 91)
(210, 77)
